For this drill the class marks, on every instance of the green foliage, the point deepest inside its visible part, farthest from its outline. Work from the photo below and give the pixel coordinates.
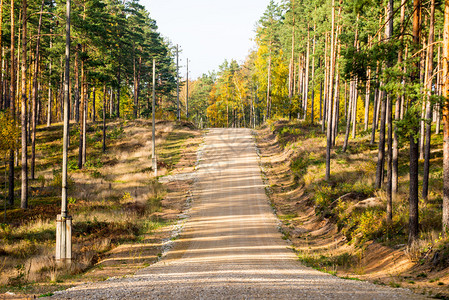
(57, 180)
(93, 163)
(115, 132)
(326, 263)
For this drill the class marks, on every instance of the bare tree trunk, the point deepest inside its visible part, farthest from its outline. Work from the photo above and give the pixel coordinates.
(367, 97)
(135, 84)
(429, 81)
(329, 104)
(82, 114)
(49, 106)
(321, 101)
(313, 79)
(104, 118)
(440, 90)
(306, 79)
(77, 85)
(388, 35)
(354, 111)
(336, 104)
(93, 103)
(381, 151)
(349, 116)
(86, 105)
(34, 99)
(12, 108)
(414, 148)
(326, 86)
(24, 189)
(395, 151)
(269, 86)
(2, 94)
(291, 78)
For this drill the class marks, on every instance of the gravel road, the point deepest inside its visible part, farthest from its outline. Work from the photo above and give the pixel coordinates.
(230, 247)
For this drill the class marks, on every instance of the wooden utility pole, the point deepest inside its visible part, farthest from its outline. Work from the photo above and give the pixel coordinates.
(63, 221)
(153, 136)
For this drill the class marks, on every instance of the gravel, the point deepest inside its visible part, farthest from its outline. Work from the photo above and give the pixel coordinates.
(230, 248)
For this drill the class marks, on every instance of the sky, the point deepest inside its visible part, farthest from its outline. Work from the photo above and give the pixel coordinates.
(207, 31)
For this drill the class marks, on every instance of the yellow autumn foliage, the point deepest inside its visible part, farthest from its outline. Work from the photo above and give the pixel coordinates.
(9, 132)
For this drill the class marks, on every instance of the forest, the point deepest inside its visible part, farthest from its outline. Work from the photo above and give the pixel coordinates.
(113, 44)
(371, 69)
(367, 79)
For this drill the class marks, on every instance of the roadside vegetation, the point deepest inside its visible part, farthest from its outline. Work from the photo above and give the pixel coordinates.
(339, 226)
(115, 202)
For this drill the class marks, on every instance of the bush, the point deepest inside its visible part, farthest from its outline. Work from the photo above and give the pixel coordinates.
(57, 180)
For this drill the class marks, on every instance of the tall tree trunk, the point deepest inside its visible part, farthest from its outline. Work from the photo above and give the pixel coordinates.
(49, 106)
(440, 90)
(34, 99)
(2, 94)
(367, 97)
(104, 118)
(381, 151)
(349, 116)
(12, 97)
(388, 35)
(118, 89)
(291, 77)
(429, 81)
(86, 106)
(414, 147)
(93, 104)
(326, 85)
(82, 114)
(134, 83)
(395, 152)
(445, 78)
(24, 189)
(321, 101)
(306, 80)
(354, 110)
(329, 104)
(336, 104)
(269, 86)
(312, 117)
(77, 84)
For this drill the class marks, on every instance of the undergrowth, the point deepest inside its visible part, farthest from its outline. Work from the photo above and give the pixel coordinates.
(349, 198)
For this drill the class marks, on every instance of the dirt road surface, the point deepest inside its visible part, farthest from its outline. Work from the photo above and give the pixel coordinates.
(230, 247)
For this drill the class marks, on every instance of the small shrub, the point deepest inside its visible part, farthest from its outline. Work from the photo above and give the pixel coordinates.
(57, 180)
(115, 132)
(72, 164)
(93, 163)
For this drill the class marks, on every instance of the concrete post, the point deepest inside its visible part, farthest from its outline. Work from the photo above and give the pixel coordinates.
(63, 238)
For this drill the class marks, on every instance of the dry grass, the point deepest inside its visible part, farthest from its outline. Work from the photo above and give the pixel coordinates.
(114, 200)
(331, 225)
